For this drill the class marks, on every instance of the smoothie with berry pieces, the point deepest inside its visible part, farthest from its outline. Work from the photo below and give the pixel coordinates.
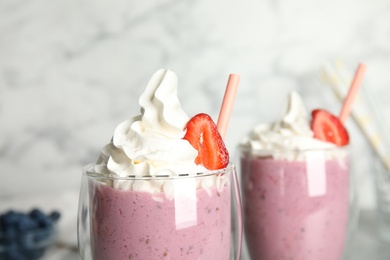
(288, 215)
(139, 225)
(161, 188)
(295, 187)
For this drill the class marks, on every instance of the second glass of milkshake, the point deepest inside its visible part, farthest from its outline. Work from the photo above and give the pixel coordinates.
(295, 190)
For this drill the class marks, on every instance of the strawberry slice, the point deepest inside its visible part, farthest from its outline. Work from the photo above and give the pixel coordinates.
(203, 135)
(327, 127)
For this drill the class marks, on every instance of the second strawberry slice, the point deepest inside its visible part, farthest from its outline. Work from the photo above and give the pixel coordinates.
(329, 128)
(203, 135)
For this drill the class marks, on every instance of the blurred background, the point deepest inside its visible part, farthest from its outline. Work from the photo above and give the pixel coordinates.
(71, 70)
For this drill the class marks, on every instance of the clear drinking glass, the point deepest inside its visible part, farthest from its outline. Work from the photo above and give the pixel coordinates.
(296, 204)
(186, 217)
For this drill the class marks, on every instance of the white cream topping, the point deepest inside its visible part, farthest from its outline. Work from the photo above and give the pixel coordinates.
(291, 133)
(151, 143)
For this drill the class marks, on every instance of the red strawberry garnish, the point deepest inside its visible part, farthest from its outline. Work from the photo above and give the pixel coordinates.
(203, 135)
(328, 128)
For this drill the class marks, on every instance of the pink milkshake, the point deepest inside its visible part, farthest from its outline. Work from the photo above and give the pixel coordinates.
(295, 189)
(161, 188)
(295, 209)
(140, 225)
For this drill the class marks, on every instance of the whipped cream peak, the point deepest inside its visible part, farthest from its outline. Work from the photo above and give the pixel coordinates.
(292, 132)
(152, 142)
(295, 118)
(160, 104)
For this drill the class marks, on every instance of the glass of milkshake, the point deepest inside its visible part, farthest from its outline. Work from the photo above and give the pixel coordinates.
(189, 219)
(295, 188)
(162, 188)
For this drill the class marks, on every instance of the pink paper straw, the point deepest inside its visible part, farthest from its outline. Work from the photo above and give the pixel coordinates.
(227, 104)
(356, 83)
(222, 124)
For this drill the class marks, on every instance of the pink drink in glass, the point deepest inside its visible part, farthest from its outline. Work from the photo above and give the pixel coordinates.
(194, 224)
(295, 209)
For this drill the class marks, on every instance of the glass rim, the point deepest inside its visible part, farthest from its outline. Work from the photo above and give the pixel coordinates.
(243, 148)
(89, 171)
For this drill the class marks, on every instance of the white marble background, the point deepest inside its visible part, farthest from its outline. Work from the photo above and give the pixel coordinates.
(71, 70)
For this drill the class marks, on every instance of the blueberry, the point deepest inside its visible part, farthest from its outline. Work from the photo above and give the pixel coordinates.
(13, 253)
(25, 241)
(41, 235)
(10, 233)
(26, 224)
(7, 237)
(40, 218)
(8, 219)
(45, 222)
(55, 216)
(36, 214)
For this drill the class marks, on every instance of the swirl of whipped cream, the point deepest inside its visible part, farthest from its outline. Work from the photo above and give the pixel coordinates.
(151, 143)
(291, 133)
